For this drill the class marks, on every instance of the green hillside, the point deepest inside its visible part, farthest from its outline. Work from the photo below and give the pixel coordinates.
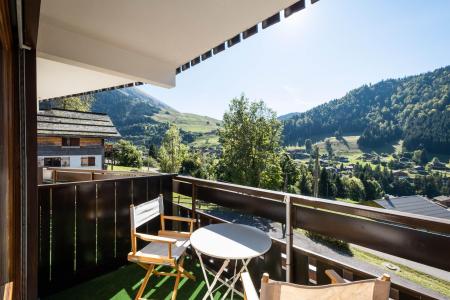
(143, 119)
(415, 109)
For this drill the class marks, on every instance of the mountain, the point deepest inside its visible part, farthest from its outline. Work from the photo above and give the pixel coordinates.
(142, 118)
(415, 109)
(288, 116)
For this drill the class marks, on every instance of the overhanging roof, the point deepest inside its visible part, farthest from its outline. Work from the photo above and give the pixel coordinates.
(85, 44)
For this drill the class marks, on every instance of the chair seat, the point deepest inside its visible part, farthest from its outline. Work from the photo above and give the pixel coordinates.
(155, 249)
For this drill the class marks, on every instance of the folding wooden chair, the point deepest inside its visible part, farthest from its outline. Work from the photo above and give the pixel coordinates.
(6, 291)
(371, 289)
(167, 248)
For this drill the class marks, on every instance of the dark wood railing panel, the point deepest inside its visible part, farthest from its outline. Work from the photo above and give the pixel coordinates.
(44, 199)
(62, 235)
(154, 187)
(92, 220)
(373, 228)
(139, 190)
(86, 219)
(417, 245)
(124, 200)
(301, 267)
(412, 220)
(106, 224)
(273, 210)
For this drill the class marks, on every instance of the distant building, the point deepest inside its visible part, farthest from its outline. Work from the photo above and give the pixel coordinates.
(400, 174)
(437, 165)
(419, 168)
(73, 139)
(442, 200)
(415, 204)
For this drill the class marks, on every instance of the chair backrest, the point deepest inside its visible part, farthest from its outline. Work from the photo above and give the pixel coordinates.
(372, 289)
(145, 212)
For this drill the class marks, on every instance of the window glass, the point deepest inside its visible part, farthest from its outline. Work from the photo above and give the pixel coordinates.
(91, 161)
(65, 161)
(70, 142)
(52, 162)
(88, 161)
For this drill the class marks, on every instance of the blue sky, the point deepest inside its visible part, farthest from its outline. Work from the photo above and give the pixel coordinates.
(318, 54)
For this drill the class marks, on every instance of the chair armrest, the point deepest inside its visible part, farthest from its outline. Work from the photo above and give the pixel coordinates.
(155, 238)
(181, 219)
(334, 277)
(249, 289)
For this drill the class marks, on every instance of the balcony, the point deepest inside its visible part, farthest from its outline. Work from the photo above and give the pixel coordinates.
(84, 235)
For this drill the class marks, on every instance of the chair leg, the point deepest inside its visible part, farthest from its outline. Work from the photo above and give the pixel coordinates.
(177, 280)
(144, 283)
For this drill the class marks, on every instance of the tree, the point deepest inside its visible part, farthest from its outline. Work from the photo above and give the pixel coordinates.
(128, 155)
(338, 134)
(290, 173)
(82, 103)
(316, 171)
(152, 151)
(172, 152)
(326, 187)
(354, 188)
(308, 146)
(420, 156)
(305, 181)
(250, 140)
(340, 188)
(329, 148)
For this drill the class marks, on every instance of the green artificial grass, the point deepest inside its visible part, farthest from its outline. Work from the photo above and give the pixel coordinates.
(124, 283)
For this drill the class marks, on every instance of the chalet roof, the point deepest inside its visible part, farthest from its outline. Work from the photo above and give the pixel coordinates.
(59, 122)
(415, 204)
(442, 198)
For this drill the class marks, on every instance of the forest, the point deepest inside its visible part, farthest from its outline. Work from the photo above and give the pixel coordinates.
(415, 109)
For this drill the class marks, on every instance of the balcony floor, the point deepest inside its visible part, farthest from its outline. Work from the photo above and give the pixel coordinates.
(124, 283)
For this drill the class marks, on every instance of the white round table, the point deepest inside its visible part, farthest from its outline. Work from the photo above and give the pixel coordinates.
(229, 242)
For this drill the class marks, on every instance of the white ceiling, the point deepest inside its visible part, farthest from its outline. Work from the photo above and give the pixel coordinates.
(138, 40)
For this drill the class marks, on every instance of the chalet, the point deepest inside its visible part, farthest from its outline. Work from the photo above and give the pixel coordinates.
(442, 200)
(415, 204)
(400, 174)
(73, 139)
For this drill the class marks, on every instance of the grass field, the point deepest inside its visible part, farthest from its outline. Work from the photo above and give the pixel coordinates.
(124, 283)
(423, 279)
(187, 122)
(206, 140)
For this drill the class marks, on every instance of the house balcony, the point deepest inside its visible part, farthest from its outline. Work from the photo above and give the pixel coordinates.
(84, 236)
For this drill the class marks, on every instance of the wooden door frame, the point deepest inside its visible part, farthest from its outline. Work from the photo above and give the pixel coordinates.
(18, 165)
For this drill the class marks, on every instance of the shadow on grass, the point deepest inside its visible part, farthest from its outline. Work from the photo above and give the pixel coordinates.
(124, 283)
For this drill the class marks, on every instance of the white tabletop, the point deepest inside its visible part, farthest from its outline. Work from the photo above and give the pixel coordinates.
(233, 241)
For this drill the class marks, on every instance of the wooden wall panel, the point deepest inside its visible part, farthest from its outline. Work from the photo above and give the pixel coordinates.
(49, 141)
(86, 142)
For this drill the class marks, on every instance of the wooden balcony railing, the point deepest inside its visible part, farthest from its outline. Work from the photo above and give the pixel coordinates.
(422, 239)
(84, 227)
